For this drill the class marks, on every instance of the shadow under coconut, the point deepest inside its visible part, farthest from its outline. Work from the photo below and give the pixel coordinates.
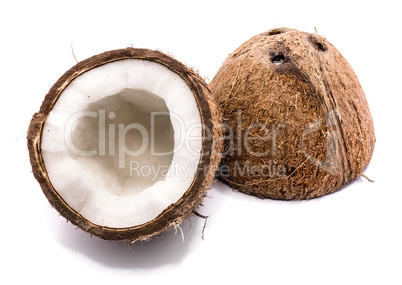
(165, 249)
(228, 191)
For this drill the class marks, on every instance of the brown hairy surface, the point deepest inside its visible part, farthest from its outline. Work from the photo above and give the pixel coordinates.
(298, 123)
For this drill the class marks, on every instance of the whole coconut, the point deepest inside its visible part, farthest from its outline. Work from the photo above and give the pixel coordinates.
(298, 123)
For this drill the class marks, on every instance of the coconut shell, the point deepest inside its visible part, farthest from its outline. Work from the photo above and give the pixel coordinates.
(209, 159)
(298, 122)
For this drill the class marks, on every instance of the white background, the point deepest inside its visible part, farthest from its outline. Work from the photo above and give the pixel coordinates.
(351, 237)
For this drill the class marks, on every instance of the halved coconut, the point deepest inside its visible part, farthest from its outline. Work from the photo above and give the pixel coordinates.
(298, 122)
(124, 145)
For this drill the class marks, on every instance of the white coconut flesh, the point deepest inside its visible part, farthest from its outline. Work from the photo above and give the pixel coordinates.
(122, 142)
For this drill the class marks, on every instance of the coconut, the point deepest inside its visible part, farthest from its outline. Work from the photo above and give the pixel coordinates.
(297, 120)
(124, 144)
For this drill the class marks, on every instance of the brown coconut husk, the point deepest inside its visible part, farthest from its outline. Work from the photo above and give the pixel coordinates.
(309, 106)
(210, 157)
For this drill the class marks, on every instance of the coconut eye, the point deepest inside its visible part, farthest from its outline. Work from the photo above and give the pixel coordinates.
(320, 46)
(275, 32)
(278, 59)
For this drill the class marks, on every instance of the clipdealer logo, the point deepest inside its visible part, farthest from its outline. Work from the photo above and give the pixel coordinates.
(238, 142)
